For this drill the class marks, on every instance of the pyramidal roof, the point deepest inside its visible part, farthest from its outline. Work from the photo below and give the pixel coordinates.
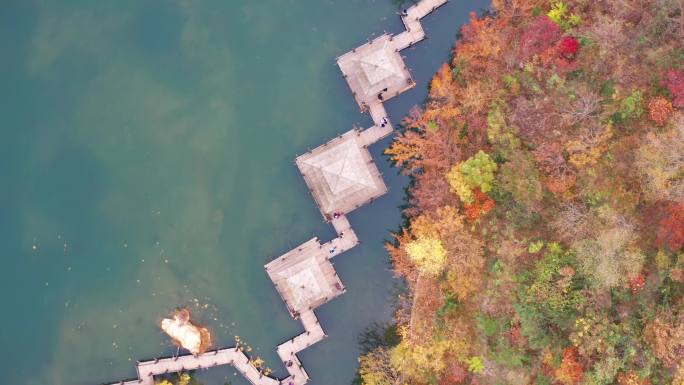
(378, 65)
(341, 174)
(343, 169)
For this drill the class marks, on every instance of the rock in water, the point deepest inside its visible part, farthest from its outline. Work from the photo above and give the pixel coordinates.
(185, 333)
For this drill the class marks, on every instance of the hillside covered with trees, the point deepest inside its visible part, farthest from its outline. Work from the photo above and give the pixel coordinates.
(545, 218)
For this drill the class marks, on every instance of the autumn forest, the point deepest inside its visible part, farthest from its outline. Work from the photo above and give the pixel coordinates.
(544, 224)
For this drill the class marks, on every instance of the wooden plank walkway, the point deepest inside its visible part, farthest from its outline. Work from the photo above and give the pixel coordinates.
(345, 240)
(229, 356)
(381, 128)
(287, 351)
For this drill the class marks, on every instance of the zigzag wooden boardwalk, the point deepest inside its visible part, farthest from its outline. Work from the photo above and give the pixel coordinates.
(340, 174)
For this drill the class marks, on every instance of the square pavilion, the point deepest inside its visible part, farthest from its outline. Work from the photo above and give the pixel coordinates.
(304, 277)
(374, 66)
(341, 175)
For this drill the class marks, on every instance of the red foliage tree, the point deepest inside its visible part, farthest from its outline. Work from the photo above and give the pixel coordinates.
(671, 227)
(570, 371)
(568, 47)
(540, 35)
(674, 82)
(482, 204)
(637, 283)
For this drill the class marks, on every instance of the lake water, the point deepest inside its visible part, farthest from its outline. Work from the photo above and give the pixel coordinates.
(146, 162)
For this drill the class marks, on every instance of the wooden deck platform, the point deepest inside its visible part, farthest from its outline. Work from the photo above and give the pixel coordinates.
(304, 277)
(375, 67)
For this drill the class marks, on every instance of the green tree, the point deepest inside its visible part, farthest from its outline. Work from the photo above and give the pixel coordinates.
(476, 172)
(553, 288)
(631, 107)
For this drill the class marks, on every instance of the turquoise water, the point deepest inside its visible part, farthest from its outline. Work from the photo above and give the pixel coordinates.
(146, 163)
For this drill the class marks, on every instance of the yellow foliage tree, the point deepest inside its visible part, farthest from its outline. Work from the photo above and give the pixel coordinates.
(428, 254)
(589, 148)
(184, 379)
(442, 85)
(402, 152)
(433, 357)
(375, 368)
(464, 259)
(458, 184)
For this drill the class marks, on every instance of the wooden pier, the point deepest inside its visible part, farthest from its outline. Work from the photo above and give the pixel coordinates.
(341, 177)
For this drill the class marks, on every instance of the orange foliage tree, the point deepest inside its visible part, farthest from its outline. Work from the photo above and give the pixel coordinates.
(570, 370)
(659, 110)
(632, 378)
(482, 204)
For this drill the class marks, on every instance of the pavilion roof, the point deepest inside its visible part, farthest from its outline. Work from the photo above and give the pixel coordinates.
(304, 277)
(375, 68)
(341, 174)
